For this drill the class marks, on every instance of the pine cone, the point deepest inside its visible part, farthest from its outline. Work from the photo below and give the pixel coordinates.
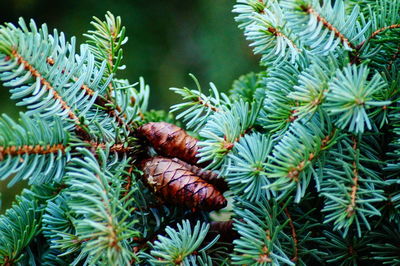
(177, 185)
(171, 141)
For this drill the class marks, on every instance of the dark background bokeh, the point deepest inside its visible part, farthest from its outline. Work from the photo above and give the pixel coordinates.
(167, 40)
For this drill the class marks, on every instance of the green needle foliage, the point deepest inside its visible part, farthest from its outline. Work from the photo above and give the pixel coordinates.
(179, 245)
(309, 147)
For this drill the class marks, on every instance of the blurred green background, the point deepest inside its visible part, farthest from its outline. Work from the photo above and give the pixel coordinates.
(167, 40)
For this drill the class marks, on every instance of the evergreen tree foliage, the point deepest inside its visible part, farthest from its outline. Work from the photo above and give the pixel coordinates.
(309, 147)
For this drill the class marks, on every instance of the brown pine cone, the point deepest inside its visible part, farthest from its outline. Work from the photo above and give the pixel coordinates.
(171, 141)
(176, 185)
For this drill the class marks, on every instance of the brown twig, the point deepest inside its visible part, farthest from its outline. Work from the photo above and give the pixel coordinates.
(30, 149)
(118, 147)
(207, 105)
(294, 236)
(352, 206)
(128, 181)
(47, 149)
(376, 33)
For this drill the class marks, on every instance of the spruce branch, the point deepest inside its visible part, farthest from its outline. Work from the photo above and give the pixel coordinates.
(247, 172)
(392, 60)
(224, 130)
(352, 189)
(246, 8)
(381, 30)
(21, 223)
(114, 110)
(57, 224)
(313, 85)
(106, 42)
(291, 163)
(348, 250)
(37, 84)
(31, 149)
(47, 86)
(181, 246)
(322, 26)
(62, 92)
(18, 226)
(294, 236)
(325, 23)
(199, 107)
(101, 222)
(301, 233)
(382, 35)
(385, 16)
(260, 234)
(309, 147)
(387, 252)
(268, 33)
(351, 94)
(131, 103)
(278, 109)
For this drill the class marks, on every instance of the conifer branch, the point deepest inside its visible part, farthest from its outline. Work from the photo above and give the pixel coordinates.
(181, 246)
(110, 107)
(33, 149)
(376, 33)
(198, 106)
(35, 73)
(297, 170)
(260, 235)
(352, 191)
(224, 129)
(265, 26)
(247, 174)
(30, 149)
(275, 32)
(84, 87)
(102, 211)
(128, 181)
(315, 124)
(351, 94)
(112, 110)
(312, 12)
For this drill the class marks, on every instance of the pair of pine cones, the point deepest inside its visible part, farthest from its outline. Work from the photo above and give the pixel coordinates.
(177, 177)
